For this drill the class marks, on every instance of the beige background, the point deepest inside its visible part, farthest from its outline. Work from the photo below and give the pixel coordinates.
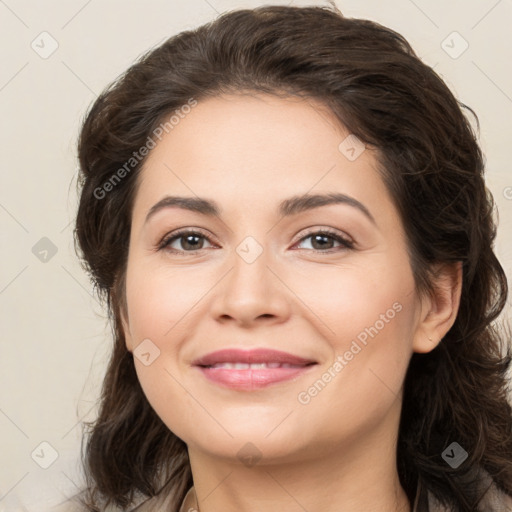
(54, 339)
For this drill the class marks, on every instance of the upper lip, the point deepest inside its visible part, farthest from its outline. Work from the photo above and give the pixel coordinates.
(259, 355)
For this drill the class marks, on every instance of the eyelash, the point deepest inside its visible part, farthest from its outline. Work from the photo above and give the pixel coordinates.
(345, 243)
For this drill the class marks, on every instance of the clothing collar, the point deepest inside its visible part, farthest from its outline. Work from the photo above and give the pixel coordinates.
(420, 503)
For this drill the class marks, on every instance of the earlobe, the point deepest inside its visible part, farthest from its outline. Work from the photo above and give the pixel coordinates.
(440, 309)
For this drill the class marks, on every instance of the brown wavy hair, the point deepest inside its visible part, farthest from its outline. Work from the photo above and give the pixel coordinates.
(430, 160)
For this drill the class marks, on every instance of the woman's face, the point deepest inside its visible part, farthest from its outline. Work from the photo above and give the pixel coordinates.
(329, 321)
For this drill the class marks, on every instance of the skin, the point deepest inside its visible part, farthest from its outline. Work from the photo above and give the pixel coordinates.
(338, 451)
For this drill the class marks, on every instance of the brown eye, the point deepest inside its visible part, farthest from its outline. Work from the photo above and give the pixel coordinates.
(184, 241)
(324, 241)
(320, 242)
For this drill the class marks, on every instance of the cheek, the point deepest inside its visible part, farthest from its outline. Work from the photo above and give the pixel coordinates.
(352, 301)
(160, 303)
(367, 316)
(160, 299)
(169, 398)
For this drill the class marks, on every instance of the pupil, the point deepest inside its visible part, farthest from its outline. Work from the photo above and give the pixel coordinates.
(191, 237)
(321, 239)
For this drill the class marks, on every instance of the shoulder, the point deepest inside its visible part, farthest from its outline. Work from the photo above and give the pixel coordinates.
(74, 505)
(68, 506)
(155, 504)
(494, 500)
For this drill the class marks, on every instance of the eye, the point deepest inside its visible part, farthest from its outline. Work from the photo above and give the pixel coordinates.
(324, 240)
(188, 240)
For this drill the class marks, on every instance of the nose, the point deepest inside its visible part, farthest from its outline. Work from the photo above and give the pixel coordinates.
(251, 293)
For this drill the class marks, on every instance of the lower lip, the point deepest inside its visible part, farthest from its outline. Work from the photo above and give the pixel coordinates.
(252, 379)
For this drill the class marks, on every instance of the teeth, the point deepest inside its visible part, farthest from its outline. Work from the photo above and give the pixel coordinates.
(252, 366)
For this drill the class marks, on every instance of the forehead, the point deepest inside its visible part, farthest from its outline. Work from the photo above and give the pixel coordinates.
(258, 149)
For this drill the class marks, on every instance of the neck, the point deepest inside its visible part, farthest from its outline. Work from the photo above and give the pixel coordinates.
(351, 477)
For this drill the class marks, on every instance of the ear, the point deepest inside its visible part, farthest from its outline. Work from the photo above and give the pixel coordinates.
(439, 309)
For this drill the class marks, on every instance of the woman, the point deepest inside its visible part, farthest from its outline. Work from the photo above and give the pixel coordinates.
(286, 213)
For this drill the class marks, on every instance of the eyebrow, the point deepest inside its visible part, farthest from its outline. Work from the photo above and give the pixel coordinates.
(287, 207)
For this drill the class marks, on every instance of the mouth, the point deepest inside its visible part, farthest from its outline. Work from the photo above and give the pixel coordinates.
(251, 369)
(251, 366)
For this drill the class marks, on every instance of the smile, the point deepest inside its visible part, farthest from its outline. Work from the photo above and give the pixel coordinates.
(251, 369)
(253, 366)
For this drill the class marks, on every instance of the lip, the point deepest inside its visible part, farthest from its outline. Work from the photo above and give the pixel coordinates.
(288, 367)
(256, 356)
